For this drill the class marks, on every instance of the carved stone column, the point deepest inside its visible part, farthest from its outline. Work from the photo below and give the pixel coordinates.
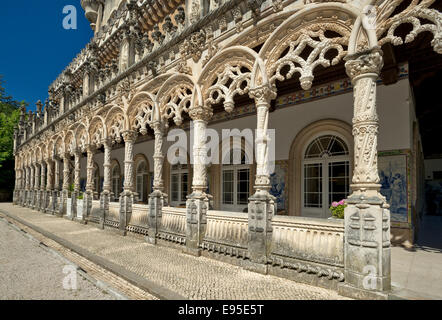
(23, 187)
(42, 192)
(49, 185)
(261, 206)
(197, 203)
(65, 191)
(367, 217)
(157, 199)
(89, 194)
(76, 192)
(36, 187)
(107, 187)
(31, 186)
(56, 186)
(127, 196)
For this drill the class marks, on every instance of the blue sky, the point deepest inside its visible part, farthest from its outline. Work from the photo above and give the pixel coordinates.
(35, 46)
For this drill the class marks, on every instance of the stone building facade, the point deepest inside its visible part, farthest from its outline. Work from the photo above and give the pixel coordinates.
(315, 71)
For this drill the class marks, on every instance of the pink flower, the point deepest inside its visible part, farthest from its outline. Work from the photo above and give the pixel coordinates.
(334, 204)
(341, 203)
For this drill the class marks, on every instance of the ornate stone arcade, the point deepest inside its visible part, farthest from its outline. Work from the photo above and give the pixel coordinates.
(157, 64)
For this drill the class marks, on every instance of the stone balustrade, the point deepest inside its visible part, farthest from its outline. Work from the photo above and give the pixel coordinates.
(173, 225)
(225, 231)
(309, 239)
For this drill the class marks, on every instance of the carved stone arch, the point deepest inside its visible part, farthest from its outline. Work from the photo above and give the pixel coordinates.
(140, 113)
(226, 75)
(44, 151)
(38, 155)
(317, 35)
(175, 97)
(81, 137)
(69, 142)
(97, 131)
(296, 154)
(418, 13)
(115, 122)
(59, 145)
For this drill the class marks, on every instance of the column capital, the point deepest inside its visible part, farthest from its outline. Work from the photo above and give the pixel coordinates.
(368, 62)
(90, 148)
(158, 126)
(107, 142)
(263, 94)
(203, 113)
(129, 135)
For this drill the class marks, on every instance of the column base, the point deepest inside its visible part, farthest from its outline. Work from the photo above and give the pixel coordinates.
(104, 207)
(350, 291)
(192, 251)
(156, 203)
(87, 206)
(197, 205)
(255, 267)
(261, 209)
(126, 201)
(367, 244)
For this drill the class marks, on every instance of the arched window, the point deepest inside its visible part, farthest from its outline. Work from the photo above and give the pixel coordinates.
(235, 182)
(141, 181)
(116, 178)
(326, 175)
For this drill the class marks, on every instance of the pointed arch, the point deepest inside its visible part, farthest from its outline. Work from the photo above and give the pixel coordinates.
(69, 142)
(303, 42)
(116, 123)
(176, 96)
(226, 75)
(140, 112)
(97, 131)
(81, 137)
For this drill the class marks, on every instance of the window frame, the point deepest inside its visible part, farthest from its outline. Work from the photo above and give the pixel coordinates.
(235, 206)
(180, 172)
(143, 196)
(324, 161)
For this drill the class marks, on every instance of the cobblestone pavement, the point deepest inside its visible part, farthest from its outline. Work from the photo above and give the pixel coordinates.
(28, 272)
(191, 277)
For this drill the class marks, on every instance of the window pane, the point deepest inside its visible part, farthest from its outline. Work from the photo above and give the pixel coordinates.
(339, 181)
(242, 186)
(140, 186)
(184, 185)
(174, 187)
(228, 186)
(313, 185)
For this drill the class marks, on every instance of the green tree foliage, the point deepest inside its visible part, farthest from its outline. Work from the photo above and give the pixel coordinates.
(9, 117)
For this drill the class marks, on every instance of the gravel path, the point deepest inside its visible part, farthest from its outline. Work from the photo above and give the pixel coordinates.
(30, 272)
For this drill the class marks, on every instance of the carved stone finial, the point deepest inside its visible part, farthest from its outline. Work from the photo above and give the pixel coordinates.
(194, 45)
